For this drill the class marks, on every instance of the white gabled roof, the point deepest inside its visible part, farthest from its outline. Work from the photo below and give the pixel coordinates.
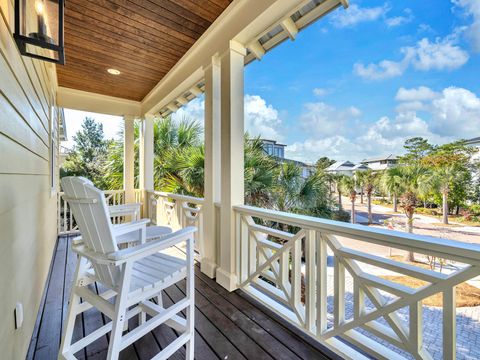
(341, 165)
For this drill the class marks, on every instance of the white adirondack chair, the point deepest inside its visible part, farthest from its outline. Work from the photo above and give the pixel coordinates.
(133, 277)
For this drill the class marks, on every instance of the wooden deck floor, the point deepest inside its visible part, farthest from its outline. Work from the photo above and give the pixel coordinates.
(228, 325)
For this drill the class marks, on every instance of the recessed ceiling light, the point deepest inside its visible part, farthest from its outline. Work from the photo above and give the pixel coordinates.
(113, 71)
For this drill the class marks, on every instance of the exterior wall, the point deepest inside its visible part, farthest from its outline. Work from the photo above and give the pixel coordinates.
(28, 133)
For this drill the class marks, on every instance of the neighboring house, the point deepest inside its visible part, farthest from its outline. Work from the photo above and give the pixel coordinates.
(360, 167)
(381, 163)
(277, 150)
(342, 168)
(475, 142)
(274, 148)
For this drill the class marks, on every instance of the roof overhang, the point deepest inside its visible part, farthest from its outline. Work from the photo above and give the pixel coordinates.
(263, 23)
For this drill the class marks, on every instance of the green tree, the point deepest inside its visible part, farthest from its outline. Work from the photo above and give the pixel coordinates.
(89, 154)
(337, 180)
(369, 180)
(417, 149)
(360, 182)
(390, 182)
(415, 181)
(261, 172)
(348, 186)
(451, 166)
(444, 180)
(323, 163)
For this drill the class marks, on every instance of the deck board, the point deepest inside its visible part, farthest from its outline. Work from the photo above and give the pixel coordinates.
(227, 325)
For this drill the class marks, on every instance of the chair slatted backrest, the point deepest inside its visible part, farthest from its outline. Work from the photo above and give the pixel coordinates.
(91, 214)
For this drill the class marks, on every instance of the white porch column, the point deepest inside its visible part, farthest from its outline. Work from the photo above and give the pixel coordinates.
(129, 159)
(232, 162)
(212, 166)
(146, 158)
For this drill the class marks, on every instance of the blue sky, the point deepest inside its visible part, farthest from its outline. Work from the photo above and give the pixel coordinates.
(360, 81)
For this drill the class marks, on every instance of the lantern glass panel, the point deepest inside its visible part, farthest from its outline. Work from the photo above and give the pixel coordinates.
(40, 26)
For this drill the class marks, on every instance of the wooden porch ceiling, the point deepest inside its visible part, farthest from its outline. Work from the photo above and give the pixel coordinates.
(143, 39)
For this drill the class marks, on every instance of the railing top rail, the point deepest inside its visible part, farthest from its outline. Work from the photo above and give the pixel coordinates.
(191, 199)
(61, 193)
(449, 249)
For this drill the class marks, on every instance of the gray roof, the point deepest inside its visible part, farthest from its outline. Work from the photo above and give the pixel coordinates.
(381, 158)
(474, 140)
(360, 167)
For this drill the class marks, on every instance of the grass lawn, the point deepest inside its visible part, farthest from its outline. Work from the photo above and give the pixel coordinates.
(467, 295)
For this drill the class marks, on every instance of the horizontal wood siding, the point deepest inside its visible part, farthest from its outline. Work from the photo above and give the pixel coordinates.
(27, 205)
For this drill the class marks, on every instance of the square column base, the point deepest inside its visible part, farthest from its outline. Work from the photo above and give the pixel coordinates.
(208, 267)
(227, 280)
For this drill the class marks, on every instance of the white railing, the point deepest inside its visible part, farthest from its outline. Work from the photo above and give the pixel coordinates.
(65, 221)
(177, 211)
(138, 195)
(298, 266)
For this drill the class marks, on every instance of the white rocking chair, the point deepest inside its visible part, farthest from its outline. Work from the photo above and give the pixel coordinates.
(133, 277)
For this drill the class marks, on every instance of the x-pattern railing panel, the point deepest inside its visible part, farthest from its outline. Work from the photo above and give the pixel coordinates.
(177, 211)
(299, 267)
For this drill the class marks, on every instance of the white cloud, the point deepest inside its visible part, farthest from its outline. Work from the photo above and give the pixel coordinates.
(341, 133)
(400, 20)
(385, 69)
(262, 119)
(442, 54)
(419, 94)
(425, 28)
(194, 110)
(450, 114)
(456, 112)
(472, 8)
(320, 92)
(410, 106)
(439, 55)
(324, 119)
(356, 14)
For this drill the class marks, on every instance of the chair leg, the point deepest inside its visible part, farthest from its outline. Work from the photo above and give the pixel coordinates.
(74, 302)
(114, 347)
(70, 325)
(191, 299)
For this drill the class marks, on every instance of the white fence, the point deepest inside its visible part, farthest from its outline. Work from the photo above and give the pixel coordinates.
(176, 211)
(335, 293)
(66, 222)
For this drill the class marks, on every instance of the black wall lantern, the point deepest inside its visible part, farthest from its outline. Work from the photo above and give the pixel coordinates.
(39, 29)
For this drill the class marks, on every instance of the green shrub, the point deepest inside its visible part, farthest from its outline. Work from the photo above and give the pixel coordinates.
(341, 215)
(474, 209)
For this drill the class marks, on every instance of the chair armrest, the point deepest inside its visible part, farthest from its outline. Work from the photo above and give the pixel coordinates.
(121, 229)
(114, 209)
(140, 225)
(94, 257)
(140, 251)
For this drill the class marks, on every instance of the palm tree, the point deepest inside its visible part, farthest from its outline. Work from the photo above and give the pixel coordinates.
(347, 185)
(261, 172)
(360, 181)
(337, 179)
(370, 179)
(415, 181)
(390, 181)
(444, 177)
